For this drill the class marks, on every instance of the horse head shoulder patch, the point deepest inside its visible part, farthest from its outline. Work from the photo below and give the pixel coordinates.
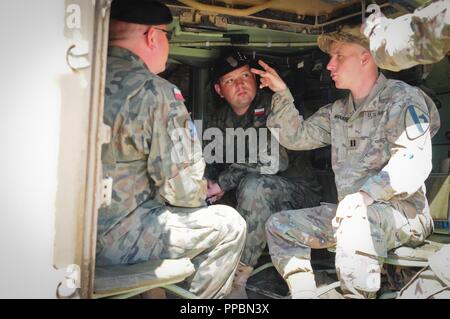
(417, 122)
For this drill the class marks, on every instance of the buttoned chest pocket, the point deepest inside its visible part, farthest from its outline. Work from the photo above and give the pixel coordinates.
(374, 146)
(369, 125)
(340, 142)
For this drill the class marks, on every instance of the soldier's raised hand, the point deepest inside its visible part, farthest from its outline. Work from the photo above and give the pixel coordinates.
(269, 78)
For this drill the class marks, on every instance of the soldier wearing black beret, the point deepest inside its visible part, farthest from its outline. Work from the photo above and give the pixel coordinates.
(263, 178)
(158, 208)
(231, 61)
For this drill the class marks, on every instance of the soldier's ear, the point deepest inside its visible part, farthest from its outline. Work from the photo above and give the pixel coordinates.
(218, 90)
(365, 57)
(150, 37)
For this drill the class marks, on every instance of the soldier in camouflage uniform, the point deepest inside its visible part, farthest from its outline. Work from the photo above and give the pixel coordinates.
(158, 208)
(380, 136)
(261, 188)
(422, 37)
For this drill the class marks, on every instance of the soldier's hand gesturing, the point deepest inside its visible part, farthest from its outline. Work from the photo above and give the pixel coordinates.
(269, 78)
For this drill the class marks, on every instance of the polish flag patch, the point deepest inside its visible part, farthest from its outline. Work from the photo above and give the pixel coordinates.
(178, 94)
(259, 112)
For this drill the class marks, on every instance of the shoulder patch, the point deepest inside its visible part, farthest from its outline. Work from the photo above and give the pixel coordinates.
(190, 127)
(417, 122)
(178, 95)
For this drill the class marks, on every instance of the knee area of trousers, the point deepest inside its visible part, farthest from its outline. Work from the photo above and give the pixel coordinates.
(273, 222)
(230, 216)
(353, 230)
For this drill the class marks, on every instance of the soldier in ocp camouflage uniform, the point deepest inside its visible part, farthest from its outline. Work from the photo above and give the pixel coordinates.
(422, 37)
(380, 136)
(275, 181)
(155, 159)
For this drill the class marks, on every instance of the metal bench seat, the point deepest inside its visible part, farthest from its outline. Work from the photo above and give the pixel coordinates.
(125, 281)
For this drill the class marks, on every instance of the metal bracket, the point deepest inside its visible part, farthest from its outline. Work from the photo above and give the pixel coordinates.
(69, 286)
(106, 194)
(75, 60)
(187, 17)
(104, 133)
(218, 21)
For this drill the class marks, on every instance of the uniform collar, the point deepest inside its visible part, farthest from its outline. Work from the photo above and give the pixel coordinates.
(261, 100)
(367, 105)
(122, 53)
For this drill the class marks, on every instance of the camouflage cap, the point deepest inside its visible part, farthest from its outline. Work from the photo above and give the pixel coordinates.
(147, 12)
(346, 34)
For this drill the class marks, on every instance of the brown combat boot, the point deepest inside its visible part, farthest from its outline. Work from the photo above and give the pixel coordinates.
(241, 275)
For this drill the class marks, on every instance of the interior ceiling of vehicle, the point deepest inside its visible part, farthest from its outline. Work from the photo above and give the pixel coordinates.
(202, 27)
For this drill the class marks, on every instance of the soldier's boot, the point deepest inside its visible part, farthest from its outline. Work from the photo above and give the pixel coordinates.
(241, 276)
(302, 285)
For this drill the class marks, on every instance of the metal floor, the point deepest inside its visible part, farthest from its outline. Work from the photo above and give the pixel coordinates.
(268, 284)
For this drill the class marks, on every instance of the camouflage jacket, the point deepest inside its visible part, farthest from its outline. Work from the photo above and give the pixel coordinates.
(422, 37)
(154, 152)
(382, 148)
(229, 174)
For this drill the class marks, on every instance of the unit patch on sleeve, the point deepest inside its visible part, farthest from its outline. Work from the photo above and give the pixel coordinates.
(417, 122)
(190, 127)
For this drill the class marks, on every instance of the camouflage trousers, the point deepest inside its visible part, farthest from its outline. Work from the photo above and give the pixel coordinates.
(362, 241)
(212, 237)
(259, 196)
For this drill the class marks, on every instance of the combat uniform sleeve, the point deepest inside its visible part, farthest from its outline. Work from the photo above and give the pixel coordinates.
(412, 123)
(175, 159)
(422, 37)
(230, 178)
(292, 131)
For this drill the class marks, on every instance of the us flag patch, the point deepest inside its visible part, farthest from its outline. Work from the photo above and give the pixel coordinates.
(178, 94)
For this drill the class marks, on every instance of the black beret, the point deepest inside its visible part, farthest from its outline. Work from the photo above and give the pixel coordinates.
(231, 61)
(147, 12)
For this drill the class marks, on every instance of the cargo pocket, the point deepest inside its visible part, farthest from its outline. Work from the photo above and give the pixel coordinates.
(187, 188)
(415, 229)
